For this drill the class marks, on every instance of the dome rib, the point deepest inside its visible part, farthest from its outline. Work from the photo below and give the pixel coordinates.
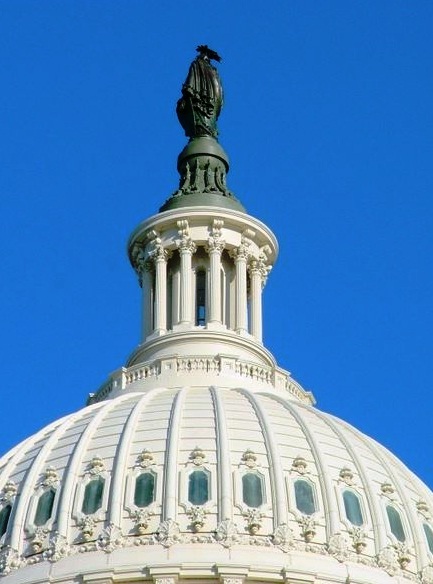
(15, 456)
(412, 521)
(169, 510)
(279, 495)
(29, 482)
(225, 493)
(332, 520)
(371, 499)
(120, 462)
(69, 486)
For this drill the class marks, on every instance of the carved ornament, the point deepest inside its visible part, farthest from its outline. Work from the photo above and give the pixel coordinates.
(227, 533)
(9, 492)
(141, 519)
(339, 546)
(110, 539)
(308, 527)
(197, 456)
(169, 533)
(96, 466)
(87, 526)
(145, 458)
(50, 477)
(254, 520)
(249, 458)
(283, 537)
(299, 465)
(197, 515)
(346, 475)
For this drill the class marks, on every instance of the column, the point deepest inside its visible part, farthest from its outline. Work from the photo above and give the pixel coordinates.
(256, 299)
(147, 299)
(241, 318)
(160, 256)
(186, 249)
(215, 248)
(145, 275)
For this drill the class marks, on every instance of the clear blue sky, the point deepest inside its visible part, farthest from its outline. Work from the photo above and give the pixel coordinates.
(328, 122)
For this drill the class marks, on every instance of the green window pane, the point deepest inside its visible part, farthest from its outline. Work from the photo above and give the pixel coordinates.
(352, 508)
(252, 490)
(395, 523)
(144, 493)
(45, 507)
(198, 487)
(304, 496)
(92, 500)
(429, 535)
(5, 513)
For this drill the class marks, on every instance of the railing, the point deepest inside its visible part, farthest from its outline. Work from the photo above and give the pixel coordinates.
(230, 366)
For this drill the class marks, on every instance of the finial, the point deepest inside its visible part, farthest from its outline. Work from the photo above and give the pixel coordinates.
(202, 96)
(203, 165)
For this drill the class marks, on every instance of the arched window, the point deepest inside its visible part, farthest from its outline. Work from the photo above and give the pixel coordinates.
(144, 493)
(395, 523)
(429, 536)
(200, 295)
(5, 513)
(198, 487)
(44, 507)
(252, 490)
(352, 508)
(304, 496)
(92, 499)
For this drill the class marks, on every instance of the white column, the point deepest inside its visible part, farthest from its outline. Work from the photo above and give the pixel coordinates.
(186, 249)
(256, 299)
(160, 256)
(241, 319)
(215, 248)
(147, 299)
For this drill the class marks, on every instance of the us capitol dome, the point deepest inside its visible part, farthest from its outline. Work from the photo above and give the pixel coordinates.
(202, 461)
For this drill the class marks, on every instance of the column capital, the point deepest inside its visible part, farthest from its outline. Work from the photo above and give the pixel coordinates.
(159, 252)
(241, 253)
(259, 267)
(186, 245)
(215, 244)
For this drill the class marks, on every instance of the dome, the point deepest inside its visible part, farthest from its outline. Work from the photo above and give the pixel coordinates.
(215, 471)
(202, 459)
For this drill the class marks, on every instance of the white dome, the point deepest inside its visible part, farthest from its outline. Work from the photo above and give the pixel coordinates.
(224, 434)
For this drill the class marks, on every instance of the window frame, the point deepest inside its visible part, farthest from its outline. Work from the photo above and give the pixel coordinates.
(4, 504)
(30, 525)
(80, 488)
(129, 504)
(291, 495)
(406, 532)
(360, 499)
(238, 488)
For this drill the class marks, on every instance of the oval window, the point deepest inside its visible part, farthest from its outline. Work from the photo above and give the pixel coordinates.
(92, 499)
(429, 536)
(198, 487)
(395, 523)
(304, 496)
(352, 508)
(252, 490)
(5, 513)
(144, 493)
(45, 507)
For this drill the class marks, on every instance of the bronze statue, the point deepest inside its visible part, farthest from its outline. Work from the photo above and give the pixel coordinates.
(202, 96)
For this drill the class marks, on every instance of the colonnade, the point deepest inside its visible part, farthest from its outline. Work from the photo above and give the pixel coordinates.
(249, 278)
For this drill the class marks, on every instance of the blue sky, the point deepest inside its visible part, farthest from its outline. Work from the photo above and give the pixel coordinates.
(328, 123)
